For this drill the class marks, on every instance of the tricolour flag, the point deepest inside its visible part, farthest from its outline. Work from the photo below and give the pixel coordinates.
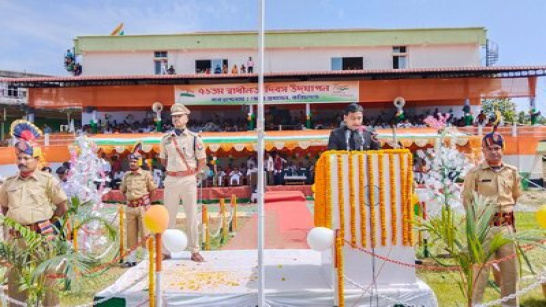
(118, 30)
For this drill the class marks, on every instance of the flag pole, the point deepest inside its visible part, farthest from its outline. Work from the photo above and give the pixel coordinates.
(260, 147)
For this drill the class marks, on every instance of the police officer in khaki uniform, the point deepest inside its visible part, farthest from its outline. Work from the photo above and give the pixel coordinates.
(32, 198)
(137, 185)
(499, 182)
(183, 155)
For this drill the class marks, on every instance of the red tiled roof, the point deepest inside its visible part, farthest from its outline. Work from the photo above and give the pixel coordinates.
(490, 69)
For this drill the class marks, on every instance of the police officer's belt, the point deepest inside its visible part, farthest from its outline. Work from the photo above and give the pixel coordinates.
(503, 219)
(181, 173)
(139, 202)
(43, 227)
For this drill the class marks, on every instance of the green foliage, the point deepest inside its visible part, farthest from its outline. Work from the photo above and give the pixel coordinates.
(505, 105)
(470, 241)
(37, 258)
(523, 118)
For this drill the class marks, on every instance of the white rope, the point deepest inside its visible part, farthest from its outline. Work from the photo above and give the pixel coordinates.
(12, 300)
(540, 280)
(366, 290)
(220, 226)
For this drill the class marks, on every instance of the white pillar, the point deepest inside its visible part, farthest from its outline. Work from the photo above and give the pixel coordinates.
(95, 116)
(30, 117)
(514, 129)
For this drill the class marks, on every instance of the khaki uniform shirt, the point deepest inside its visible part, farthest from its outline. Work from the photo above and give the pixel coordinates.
(137, 184)
(185, 144)
(33, 199)
(502, 187)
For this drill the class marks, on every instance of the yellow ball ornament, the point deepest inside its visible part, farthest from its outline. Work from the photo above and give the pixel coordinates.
(156, 219)
(541, 216)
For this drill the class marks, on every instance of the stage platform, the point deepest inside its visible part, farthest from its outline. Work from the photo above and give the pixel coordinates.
(229, 278)
(215, 193)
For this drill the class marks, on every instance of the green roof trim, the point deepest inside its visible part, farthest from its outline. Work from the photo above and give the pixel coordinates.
(282, 39)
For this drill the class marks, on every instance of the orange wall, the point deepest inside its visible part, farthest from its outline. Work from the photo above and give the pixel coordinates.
(103, 97)
(51, 154)
(433, 90)
(442, 89)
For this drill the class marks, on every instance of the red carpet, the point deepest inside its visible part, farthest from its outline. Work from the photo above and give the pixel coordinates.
(287, 222)
(214, 193)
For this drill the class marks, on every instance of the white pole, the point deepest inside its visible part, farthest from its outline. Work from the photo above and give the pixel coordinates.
(261, 133)
(158, 298)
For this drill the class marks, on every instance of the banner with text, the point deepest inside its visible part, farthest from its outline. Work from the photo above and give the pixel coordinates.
(275, 93)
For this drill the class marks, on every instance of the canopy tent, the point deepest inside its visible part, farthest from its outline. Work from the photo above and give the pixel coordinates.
(240, 144)
(276, 140)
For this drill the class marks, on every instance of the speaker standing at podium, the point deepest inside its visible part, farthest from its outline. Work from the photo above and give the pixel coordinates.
(352, 135)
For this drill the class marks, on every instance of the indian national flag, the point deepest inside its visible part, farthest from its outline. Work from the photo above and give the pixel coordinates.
(118, 30)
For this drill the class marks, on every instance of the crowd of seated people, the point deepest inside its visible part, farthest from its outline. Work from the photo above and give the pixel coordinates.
(148, 125)
(272, 122)
(224, 172)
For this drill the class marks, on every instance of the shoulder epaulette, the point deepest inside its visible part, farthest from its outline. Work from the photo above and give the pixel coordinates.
(512, 167)
(192, 133)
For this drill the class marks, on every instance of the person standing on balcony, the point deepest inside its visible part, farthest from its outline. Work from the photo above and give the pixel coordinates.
(250, 65)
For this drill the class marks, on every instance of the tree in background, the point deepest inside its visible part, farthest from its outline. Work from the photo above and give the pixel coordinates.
(523, 119)
(505, 105)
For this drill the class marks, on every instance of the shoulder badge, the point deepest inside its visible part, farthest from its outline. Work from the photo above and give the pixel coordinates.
(167, 138)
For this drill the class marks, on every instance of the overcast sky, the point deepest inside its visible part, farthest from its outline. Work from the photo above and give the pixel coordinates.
(35, 34)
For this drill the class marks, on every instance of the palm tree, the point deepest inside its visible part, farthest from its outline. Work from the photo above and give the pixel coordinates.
(37, 258)
(471, 242)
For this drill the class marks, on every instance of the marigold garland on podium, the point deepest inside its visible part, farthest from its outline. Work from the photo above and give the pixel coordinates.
(366, 197)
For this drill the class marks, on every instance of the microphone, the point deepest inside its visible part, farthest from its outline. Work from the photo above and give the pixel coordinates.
(360, 142)
(347, 137)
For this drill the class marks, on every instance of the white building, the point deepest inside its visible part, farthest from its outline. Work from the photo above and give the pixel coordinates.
(286, 51)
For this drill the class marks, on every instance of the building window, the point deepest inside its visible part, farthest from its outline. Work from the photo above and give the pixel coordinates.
(214, 66)
(160, 54)
(13, 92)
(399, 57)
(160, 62)
(350, 63)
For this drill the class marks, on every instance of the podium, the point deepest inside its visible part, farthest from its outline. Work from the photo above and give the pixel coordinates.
(366, 195)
